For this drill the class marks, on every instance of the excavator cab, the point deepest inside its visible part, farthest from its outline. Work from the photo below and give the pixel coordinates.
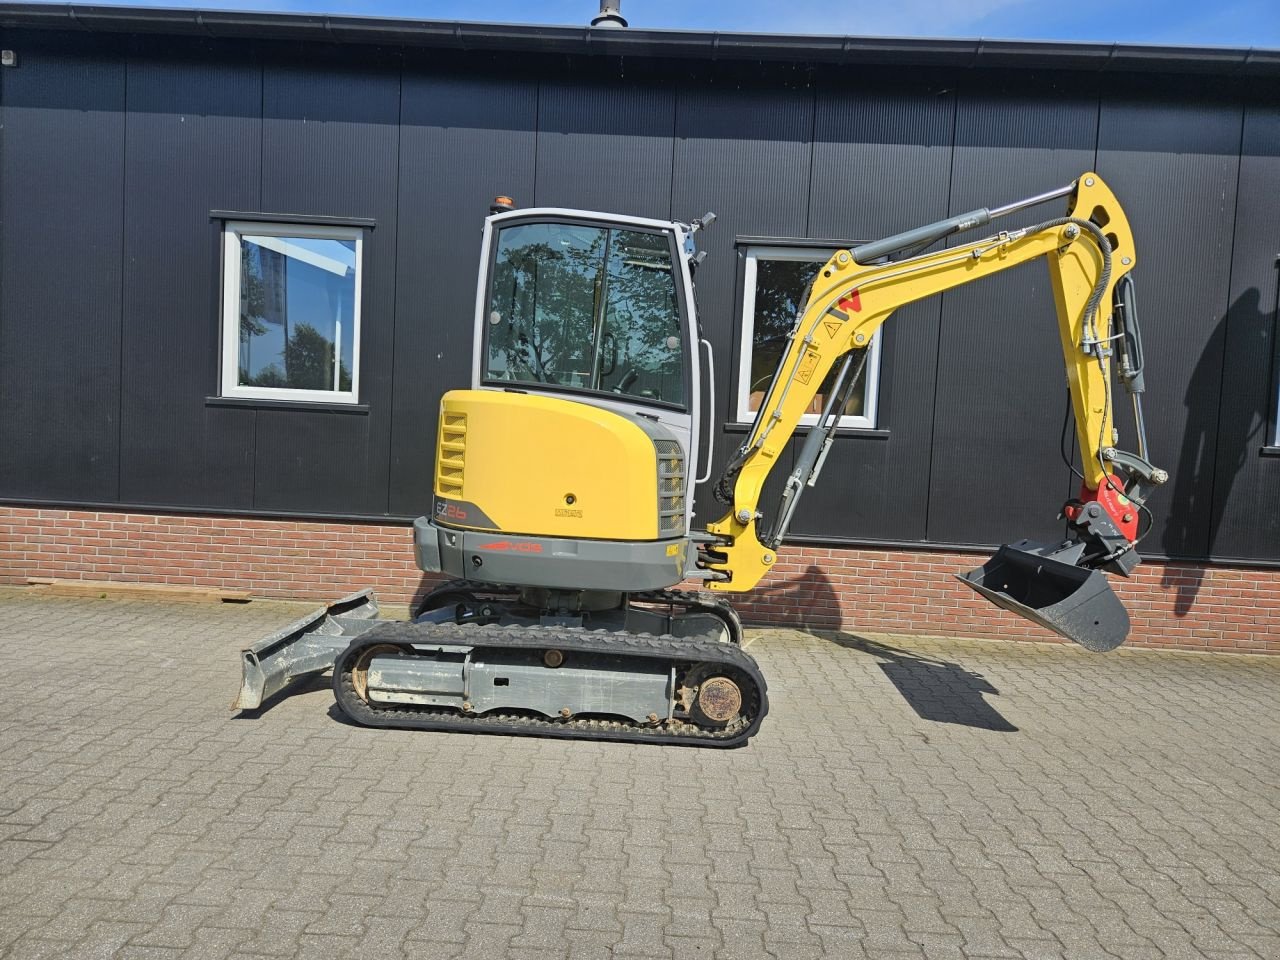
(587, 307)
(586, 381)
(587, 376)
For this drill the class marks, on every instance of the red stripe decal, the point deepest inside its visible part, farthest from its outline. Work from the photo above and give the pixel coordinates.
(850, 301)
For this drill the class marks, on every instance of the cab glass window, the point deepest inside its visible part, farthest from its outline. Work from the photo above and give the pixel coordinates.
(586, 308)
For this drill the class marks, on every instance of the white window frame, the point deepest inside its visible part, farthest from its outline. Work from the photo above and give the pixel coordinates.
(743, 413)
(232, 233)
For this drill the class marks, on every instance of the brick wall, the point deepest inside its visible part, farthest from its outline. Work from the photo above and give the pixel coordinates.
(1180, 605)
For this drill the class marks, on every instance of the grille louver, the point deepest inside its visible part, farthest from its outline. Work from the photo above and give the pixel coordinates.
(671, 480)
(451, 454)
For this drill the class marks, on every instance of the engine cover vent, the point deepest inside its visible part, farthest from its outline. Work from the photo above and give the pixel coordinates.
(671, 488)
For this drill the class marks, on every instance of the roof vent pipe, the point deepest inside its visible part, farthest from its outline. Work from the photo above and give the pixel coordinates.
(609, 16)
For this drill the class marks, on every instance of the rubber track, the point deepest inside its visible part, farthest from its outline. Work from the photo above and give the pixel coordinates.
(473, 587)
(690, 600)
(681, 650)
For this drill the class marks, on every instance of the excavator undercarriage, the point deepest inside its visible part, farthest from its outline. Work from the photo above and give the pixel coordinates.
(664, 666)
(552, 681)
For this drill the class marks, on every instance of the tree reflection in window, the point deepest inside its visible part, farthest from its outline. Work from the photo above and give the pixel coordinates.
(781, 291)
(583, 307)
(296, 312)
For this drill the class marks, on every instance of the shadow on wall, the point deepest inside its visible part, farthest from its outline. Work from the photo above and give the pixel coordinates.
(937, 690)
(1210, 448)
(808, 601)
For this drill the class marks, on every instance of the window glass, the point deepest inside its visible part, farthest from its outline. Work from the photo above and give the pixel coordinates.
(778, 280)
(589, 308)
(292, 313)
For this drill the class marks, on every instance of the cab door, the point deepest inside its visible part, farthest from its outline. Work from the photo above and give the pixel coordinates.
(593, 308)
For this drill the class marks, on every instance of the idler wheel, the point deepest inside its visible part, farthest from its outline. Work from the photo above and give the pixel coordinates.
(718, 702)
(360, 672)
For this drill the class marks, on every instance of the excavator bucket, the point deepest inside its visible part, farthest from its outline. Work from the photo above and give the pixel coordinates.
(1074, 602)
(303, 648)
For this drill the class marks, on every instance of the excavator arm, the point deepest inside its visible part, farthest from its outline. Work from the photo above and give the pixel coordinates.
(1090, 254)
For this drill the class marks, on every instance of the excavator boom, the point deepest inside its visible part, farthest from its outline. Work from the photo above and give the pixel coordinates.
(1090, 254)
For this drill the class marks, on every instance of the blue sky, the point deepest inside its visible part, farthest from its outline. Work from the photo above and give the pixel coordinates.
(1253, 23)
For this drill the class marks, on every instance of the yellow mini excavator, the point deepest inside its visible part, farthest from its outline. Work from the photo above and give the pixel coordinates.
(564, 477)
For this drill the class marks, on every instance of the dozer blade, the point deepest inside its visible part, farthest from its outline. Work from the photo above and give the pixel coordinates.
(1073, 602)
(307, 646)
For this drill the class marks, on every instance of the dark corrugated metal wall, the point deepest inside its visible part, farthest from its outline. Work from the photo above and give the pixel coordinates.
(116, 149)
(742, 150)
(1001, 390)
(1244, 508)
(881, 164)
(61, 206)
(192, 143)
(1174, 155)
(449, 170)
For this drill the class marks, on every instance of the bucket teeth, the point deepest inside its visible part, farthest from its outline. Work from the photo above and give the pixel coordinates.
(1074, 602)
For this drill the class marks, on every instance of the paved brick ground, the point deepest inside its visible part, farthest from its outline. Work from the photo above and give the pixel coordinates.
(905, 798)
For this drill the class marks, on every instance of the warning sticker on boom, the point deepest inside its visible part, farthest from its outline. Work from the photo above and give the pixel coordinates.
(804, 373)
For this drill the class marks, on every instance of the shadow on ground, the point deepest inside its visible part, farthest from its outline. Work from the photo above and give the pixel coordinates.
(307, 684)
(938, 690)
